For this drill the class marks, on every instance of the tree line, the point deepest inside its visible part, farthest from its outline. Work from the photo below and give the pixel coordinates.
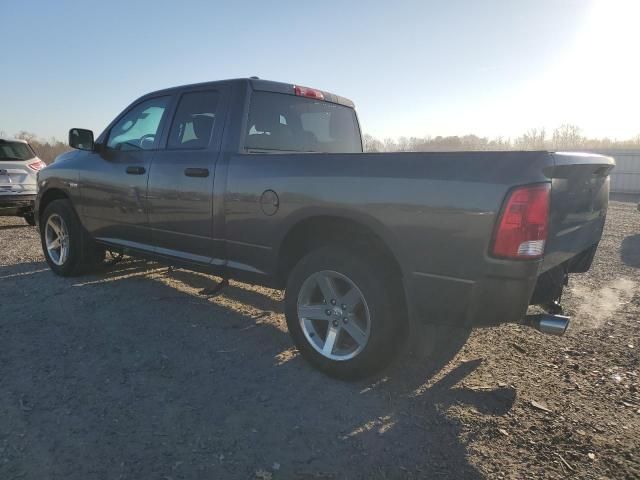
(565, 137)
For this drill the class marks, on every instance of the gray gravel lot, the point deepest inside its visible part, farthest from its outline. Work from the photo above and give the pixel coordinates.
(130, 374)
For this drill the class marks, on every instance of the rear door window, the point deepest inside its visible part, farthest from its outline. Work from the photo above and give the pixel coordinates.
(281, 122)
(194, 120)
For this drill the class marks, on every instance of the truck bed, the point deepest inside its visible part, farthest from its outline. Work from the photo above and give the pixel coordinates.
(436, 212)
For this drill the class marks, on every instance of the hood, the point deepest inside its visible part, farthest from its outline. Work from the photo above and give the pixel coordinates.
(66, 156)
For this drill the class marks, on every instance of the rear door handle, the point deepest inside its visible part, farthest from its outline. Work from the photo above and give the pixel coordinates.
(136, 170)
(196, 172)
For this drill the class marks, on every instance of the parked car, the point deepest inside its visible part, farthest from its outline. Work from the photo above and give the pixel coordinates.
(18, 183)
(267, 183)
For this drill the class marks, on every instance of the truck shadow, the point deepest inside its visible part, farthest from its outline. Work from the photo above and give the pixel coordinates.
(234, 291)
(123, 366)
(630, 251)
(14, 226)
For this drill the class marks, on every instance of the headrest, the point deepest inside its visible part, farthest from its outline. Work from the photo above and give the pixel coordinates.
(202, 127)
(265, 121)
(340, 123)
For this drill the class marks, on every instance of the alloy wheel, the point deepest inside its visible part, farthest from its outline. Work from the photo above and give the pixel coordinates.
(57, 239)
(334, 315)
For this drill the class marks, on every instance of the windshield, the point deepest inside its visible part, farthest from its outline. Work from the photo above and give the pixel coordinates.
(15, 151)
(296, 124)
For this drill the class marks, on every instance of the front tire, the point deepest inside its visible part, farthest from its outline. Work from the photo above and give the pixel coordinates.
(67, 248)
(343, 312)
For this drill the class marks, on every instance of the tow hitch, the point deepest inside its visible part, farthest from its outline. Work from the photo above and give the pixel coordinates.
(547, 323)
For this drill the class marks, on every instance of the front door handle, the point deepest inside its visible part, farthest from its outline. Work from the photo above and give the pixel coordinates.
(196, 172)
(136, 170)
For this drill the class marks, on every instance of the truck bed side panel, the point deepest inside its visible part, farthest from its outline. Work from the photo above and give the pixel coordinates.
(438, 209)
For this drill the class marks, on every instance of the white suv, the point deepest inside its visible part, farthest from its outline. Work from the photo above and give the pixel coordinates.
(18, 179)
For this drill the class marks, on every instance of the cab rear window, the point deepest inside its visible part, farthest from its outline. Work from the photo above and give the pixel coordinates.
(288, 123)
(15, 151)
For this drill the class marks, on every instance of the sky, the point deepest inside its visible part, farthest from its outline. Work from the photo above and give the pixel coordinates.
(413, 68)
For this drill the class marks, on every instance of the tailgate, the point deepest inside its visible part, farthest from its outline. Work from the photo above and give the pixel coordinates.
(579, 199)
(15, 178)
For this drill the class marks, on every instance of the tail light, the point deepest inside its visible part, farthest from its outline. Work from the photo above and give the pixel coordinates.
(523, 226)
(35, 166)
(308, 92)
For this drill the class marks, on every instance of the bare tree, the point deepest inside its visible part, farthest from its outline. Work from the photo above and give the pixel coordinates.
(372, 144)
(567, 137)
(403, 144)
(532, 139)
(390, 145)
(24, 135)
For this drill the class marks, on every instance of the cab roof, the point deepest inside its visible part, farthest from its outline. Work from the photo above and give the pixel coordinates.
(259, 84)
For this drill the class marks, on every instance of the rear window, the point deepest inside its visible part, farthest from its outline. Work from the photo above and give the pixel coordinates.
(296, 124)
(15, 151)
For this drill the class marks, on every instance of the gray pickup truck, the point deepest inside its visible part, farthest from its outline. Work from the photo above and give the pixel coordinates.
(267, 183)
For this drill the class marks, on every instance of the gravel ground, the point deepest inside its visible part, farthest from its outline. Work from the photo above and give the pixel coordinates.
(130, 374)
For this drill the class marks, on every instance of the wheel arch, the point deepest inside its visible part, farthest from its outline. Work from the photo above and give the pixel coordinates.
(321, 229)
(49, 196)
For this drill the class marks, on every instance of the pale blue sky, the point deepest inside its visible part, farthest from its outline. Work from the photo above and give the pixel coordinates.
(494, 67)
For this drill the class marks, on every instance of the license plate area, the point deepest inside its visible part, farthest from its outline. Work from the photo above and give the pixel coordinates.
(6, 182)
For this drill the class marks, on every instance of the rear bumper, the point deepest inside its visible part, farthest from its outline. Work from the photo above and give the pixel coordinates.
(11, 205)
(500, 296)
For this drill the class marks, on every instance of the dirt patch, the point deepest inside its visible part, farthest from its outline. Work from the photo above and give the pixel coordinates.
(131, 374)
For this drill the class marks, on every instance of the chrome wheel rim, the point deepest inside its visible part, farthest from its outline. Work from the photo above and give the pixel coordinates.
(334, 315)
(56, 238)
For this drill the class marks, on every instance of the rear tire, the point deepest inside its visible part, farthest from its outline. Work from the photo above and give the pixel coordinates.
(67, 247)
(354, 334)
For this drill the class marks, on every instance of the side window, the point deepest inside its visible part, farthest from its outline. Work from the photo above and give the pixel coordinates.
(194, 120)
(139, 128)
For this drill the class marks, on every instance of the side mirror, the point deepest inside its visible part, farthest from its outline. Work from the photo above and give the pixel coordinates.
(81, 139)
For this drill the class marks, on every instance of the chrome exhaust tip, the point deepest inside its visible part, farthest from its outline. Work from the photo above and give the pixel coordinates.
(546, 323)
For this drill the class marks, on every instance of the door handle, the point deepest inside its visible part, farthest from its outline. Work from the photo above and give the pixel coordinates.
(196, 172)
(136, 170)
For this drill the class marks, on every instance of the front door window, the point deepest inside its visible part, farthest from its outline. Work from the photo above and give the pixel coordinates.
(139, 128)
